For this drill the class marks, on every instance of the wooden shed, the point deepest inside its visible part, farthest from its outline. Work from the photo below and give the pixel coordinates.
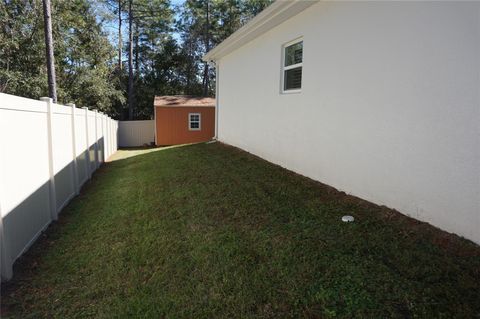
(182, 119)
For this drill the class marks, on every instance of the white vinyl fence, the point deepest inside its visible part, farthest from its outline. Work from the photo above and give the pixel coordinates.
(47, 152)
(136, 133)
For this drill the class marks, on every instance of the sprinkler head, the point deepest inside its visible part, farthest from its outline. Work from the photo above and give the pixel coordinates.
(347, 219)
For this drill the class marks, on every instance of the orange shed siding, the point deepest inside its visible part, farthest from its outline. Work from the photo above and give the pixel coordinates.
(171, 125)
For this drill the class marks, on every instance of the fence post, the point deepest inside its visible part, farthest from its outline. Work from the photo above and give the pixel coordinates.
(87, 155)
(53, 195)
(74, 152)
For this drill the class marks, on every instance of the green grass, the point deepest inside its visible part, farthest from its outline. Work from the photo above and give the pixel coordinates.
(209, 231)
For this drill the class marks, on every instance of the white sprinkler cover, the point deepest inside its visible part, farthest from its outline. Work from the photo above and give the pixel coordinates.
(347, 219)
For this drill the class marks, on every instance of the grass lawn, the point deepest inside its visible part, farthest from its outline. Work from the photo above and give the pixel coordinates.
(209, 231)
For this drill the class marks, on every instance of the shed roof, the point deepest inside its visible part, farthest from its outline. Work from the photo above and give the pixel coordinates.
(183, 100)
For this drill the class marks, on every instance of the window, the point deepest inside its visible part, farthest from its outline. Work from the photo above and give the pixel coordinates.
(194, 120)
(292, 66)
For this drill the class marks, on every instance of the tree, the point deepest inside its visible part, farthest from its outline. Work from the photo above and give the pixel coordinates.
(120, 67)
(151, 28)
(47, 17)
(198, 27)
(206, 39)
(206, 23)
(130, 61)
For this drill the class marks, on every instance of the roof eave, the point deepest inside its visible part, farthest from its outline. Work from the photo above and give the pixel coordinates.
(273, 15)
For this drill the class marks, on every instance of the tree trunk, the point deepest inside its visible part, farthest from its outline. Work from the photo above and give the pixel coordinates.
(120, 35)
(206, 77)
(130, 61)
(189, 46)
(47, 18)
(135, 40)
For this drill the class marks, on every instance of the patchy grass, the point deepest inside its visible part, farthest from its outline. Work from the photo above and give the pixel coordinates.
(208, 231)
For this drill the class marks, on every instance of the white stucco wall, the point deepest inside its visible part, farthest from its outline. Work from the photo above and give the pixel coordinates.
(389, 109)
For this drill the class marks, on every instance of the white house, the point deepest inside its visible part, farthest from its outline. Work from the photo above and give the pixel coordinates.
(378, 99)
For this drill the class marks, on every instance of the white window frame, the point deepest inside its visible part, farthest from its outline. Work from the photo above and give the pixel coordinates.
(190, 122)
(293, 66)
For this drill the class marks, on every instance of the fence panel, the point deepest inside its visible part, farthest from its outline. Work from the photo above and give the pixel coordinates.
(81, 146)
(47, 151)
(24, 174)
(62, 155)
(92, 138)
(136, 133)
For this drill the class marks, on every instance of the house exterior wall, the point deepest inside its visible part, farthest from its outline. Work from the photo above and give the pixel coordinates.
(172, 125)
(389, 109)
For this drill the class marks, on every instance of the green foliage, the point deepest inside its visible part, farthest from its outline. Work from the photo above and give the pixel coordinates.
(83, 54)
(203, 24)
(209, 231)
(155, 54)
(22, 49)
(168, 47)
(166, 76)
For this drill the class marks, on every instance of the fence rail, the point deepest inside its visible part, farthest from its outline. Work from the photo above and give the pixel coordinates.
(47, 152)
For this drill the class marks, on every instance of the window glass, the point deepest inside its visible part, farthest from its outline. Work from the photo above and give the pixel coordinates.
(294, 53)
(293, 79)
(194, 121)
